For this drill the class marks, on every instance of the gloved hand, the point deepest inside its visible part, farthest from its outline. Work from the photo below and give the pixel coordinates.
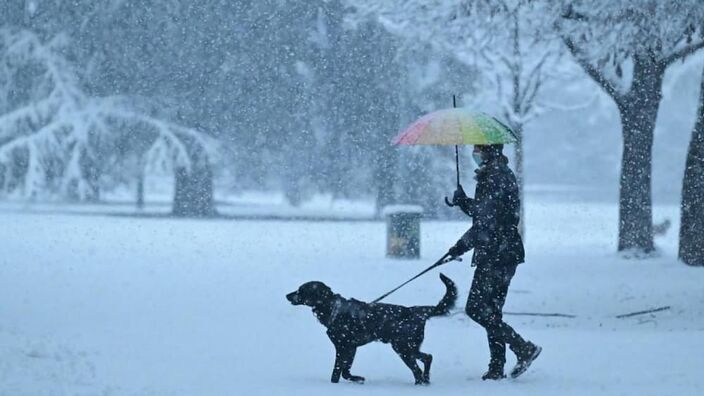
(459, 195)
(459, 249)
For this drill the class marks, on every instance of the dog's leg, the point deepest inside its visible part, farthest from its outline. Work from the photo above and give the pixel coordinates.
(343, 363)
(337, 369)
(347, 365)
(427, 360)
(409, 357)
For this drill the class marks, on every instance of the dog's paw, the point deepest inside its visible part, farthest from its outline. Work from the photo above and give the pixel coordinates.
(423, 381)
(356, 379)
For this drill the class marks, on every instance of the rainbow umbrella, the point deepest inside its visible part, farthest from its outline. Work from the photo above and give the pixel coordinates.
(456, 126)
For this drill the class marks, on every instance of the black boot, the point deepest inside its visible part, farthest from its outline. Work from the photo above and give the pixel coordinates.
(495, 372)
(525, 356)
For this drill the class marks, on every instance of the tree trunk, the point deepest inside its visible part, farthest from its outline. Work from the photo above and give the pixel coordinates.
(292, 185)
(193, 190)
(691, 250)
(86, 186)
(635, 195)
(140, 189)
(384, 178)
(638, 110)
(518, 129)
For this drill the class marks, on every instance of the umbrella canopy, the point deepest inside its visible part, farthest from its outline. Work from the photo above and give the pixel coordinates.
(457, 126)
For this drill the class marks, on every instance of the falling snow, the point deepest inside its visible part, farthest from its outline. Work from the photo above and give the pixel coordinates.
(268, 125)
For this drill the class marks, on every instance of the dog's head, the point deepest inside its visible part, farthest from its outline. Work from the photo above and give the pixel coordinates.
(311, 294)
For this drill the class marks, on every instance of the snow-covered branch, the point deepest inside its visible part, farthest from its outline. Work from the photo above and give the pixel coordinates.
(607, 37)
(510, 41)
(684, 52)
(59, 123)
(596, 74)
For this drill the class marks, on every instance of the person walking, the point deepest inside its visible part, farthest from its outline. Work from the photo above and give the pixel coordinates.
(498, 249)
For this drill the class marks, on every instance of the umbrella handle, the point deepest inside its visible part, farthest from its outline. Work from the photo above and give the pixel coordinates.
(448, 203)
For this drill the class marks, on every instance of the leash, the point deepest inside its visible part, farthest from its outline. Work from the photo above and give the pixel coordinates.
(443, 260)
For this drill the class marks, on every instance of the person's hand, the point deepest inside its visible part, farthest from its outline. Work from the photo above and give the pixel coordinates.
(459, 195)
(459, 249)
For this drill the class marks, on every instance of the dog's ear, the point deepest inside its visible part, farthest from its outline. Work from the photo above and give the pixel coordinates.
(314, 293)
(324, 290)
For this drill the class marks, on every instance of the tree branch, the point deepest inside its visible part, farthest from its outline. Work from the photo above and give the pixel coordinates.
(532, 84)
(528, 100)
(682, 53)
(595, 74)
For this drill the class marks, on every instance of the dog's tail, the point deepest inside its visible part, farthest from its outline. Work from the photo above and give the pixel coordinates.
(448, 300)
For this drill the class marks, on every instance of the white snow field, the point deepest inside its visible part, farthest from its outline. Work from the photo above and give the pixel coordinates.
(105, 305)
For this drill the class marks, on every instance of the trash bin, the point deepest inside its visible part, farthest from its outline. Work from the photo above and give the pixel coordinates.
(403, 230)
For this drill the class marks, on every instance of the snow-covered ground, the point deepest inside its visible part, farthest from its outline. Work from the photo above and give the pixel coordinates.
(101, 305)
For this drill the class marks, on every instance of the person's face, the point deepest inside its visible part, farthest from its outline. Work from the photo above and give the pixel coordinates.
(477, 155)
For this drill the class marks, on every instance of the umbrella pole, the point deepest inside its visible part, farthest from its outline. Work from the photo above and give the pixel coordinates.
(457, 164)
(457, 160)
(457, 152)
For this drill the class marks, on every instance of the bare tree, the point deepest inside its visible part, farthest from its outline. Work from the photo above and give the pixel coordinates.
(626, 47)
(522, 54)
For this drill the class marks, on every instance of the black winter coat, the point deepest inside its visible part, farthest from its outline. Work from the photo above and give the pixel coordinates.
(495, 212)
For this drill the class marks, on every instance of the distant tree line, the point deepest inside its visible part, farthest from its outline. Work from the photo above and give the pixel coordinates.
(298, 98)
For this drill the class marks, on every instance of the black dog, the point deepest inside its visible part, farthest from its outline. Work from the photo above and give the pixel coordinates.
(352, 323)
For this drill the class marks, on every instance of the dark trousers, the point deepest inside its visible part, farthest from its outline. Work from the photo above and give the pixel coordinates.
(484, 305)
